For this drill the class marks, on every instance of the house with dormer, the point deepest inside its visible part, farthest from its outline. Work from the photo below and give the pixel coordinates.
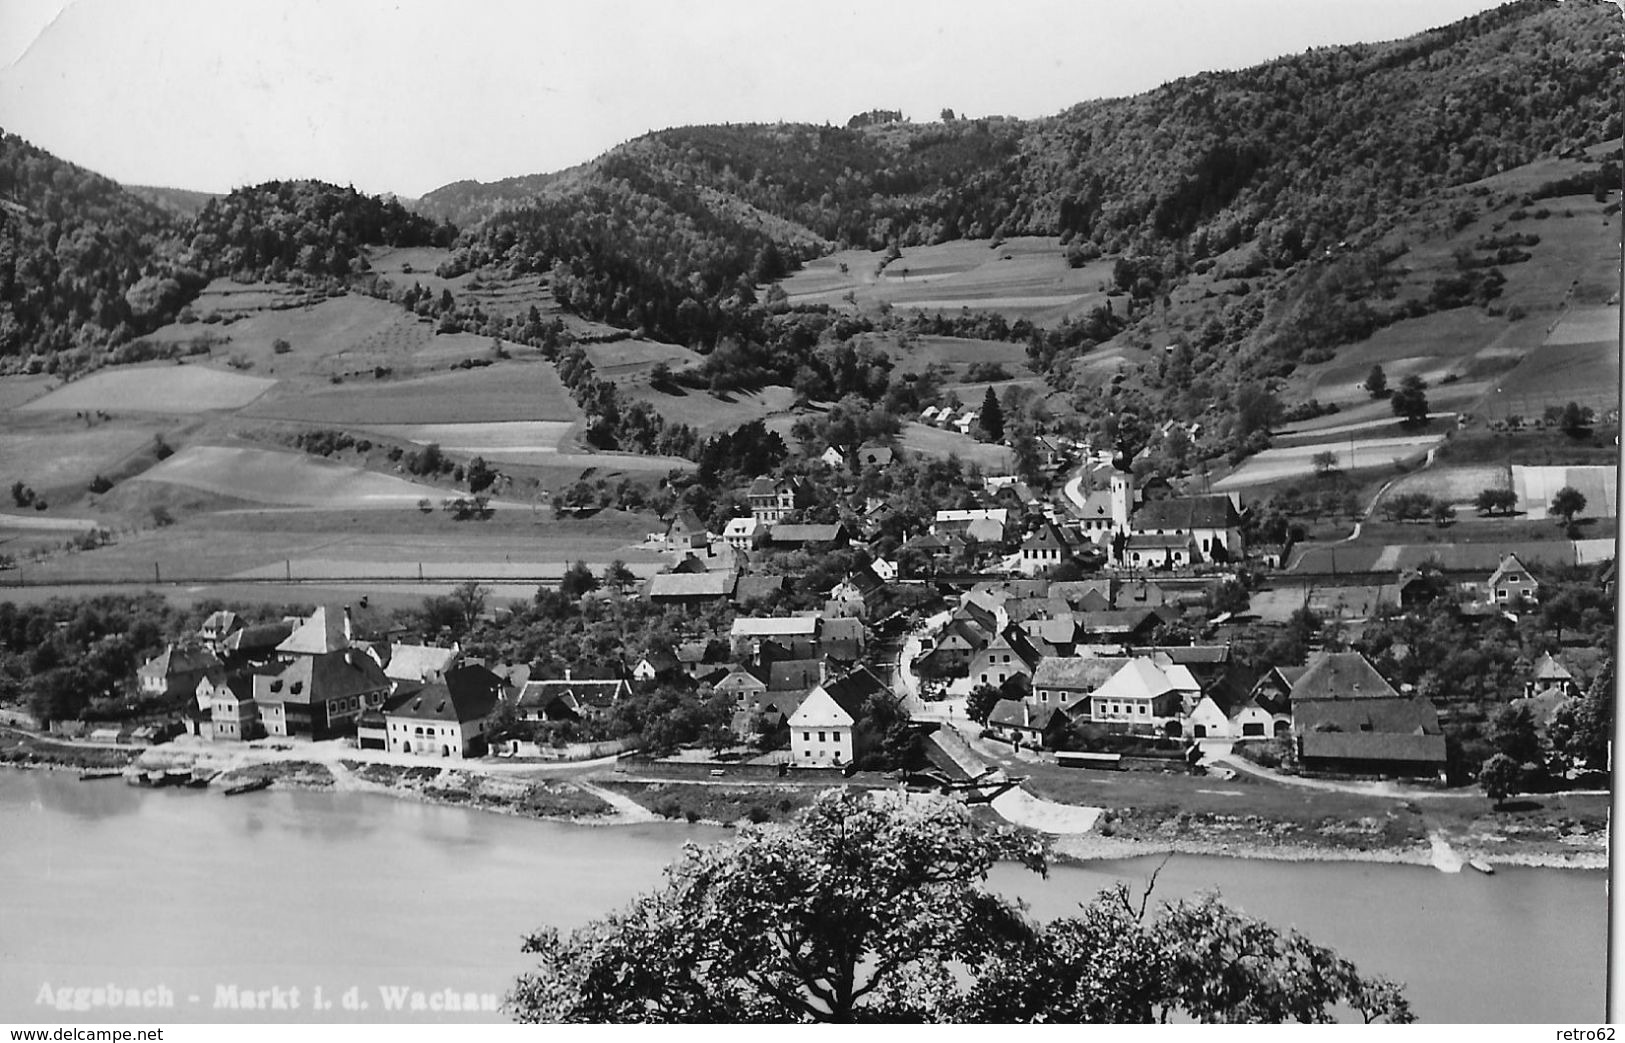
(321, 695)
(1347, 719)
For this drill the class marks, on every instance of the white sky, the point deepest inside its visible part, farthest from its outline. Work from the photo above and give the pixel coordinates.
(407, 95)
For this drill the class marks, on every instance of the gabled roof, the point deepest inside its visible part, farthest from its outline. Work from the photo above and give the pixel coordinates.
(415, 662)
(1081, 673)
(740, 527)
(323, 632)
(599, 692)
(1138, 678)
(1046, 537)
(1187, 512)
(1401, 714)
(1510, 563)
(691, 651)
(762, 487)
(686, 520)
(1341, 675)
(845, 633)
(824, 532)
(837, 697)
(774, 626)
(1547, 668)
(1374, 746)
(793, 675)
(260, 639)
(1152, 541)
(223, 621)
(1016, 641)
(691, 585)
(1017, 713)
(752, 588)
(176, 660)
(1062, 630)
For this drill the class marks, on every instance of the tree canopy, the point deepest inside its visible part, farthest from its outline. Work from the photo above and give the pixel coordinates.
(875, 908)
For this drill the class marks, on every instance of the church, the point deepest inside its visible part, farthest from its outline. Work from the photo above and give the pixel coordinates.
(1166, 532)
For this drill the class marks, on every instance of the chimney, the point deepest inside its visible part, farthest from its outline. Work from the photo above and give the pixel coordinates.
(823, 669)
(566, 673)
(756, 652)
(348, 632)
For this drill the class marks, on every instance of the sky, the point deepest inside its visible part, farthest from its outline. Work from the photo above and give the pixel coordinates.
(407, 95)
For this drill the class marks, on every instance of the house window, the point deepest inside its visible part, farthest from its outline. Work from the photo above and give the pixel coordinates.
(1063, 697)
(806, 736)
(820, 736)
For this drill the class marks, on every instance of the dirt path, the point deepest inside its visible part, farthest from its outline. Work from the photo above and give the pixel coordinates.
(627, 809)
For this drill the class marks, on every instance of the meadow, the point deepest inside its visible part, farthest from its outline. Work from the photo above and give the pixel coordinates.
(158, 388)
(286, 478)
(505, 391)
(1280, 464)
(630, 361)
(709, 413)
(933, 441)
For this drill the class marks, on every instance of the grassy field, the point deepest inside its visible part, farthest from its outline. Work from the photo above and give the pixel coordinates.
(1023, 277)
(56, 455)
(932, 441)
(161, 388)
(629, 361)
(1458, 485)
(1280, 464)
(506, 391)
(501, 440)
(1556, 374)
(286, 478)
(1535, 487)
(708, 414)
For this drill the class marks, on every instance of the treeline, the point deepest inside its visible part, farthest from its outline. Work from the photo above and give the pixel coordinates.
(282, 230)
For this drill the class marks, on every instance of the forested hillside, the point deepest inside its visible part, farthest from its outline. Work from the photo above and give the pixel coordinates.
(87, 266)
(83, 264)
(1273, 169)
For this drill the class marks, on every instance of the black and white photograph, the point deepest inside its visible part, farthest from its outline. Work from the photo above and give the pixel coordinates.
(729, 512)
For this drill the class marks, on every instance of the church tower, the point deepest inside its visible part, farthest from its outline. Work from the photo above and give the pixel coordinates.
(1122, 499)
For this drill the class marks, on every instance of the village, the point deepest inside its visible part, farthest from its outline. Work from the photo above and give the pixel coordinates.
(1096, 629)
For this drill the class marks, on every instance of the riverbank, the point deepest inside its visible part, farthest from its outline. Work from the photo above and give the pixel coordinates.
(1322, 830)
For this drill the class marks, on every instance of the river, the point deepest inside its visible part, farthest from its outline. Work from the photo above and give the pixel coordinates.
(218, 905)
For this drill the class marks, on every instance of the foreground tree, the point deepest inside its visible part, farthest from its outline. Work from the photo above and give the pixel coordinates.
(875, 908)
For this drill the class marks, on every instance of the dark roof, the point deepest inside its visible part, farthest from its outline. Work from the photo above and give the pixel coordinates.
(1118, 621)
(454, 700)
(1046, 537)
(793, 675)
(1374, 746)
(751, 588)
(692, 651)
(1192, 655)
(819, 533)
(762, 487)
(1075, 672)
(1398, 715)
(1341, 675)
(851, 691)
(601, 692)
(1014, 713)
(259, 638)
(1187, 512)
(1148, 541)
(173, 661)
(333, 675)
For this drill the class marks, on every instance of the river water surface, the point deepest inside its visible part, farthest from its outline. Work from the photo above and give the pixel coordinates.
(217, 905)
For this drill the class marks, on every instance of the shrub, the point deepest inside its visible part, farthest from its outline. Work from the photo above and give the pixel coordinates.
(758, 814)
(280, 346)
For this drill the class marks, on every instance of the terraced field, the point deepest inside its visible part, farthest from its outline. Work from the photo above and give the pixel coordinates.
(506, 391)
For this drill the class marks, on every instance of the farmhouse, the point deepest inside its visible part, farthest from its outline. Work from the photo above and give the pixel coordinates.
(1138, 697)
(791, 537)
(556, 699)
(1070, 680)
(682, 588)
(1012, 652)
(1346, 718)
(414, 664)
(797, 634)
(984, 525)
(1020, 722)
(1549, 675)
(1044, 548)
(687, 532)
(175, 672)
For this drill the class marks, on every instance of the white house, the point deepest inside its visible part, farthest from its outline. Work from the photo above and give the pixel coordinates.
(1138, 695)
(744, 533)
(445, 719)
(822, 730)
